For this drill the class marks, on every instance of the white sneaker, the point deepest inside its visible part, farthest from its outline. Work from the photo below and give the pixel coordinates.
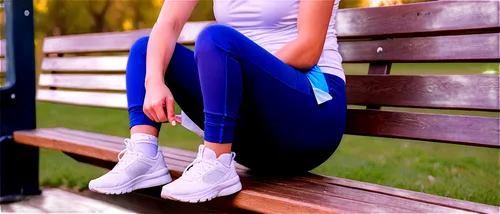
(134, 170)
(204, 179)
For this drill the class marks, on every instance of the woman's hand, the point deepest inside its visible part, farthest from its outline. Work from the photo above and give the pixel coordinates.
(159, 104)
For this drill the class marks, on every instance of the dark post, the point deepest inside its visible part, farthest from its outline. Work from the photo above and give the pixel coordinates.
(18, 163)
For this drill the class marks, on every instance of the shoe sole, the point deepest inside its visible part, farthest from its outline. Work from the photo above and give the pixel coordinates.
(157, 178)
(226, 188)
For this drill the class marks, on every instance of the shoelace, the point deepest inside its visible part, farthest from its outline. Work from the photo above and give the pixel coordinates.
(196, 169)
(125, 156)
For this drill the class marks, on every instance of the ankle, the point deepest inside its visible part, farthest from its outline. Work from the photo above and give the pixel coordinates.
(219, 148)
(144, 137)
(145, 143)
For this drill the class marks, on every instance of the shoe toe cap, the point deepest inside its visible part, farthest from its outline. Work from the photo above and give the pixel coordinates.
(179, 187)
(102, 182)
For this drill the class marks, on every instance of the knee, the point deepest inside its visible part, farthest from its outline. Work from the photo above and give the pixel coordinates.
(136, 56)
(139, 47)
(214, 36)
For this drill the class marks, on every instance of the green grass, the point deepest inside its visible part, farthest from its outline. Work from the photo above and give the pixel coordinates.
(460, 172)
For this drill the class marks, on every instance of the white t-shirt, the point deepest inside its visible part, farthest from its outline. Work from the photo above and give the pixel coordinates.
(273, 23)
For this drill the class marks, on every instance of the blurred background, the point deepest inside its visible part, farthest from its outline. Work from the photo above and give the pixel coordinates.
(448, 170)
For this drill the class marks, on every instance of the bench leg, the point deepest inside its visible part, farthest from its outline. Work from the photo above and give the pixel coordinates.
(18, 163)
(18, 170)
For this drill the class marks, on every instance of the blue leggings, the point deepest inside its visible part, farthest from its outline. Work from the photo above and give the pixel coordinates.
(239, 93)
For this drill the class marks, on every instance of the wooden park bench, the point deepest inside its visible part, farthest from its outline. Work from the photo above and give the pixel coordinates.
(414, 33)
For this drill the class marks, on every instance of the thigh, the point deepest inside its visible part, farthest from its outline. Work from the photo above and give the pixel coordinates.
(182, 79)
(279, 118)
(282, 130)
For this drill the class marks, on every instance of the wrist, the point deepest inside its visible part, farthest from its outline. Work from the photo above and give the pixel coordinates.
(153, 81)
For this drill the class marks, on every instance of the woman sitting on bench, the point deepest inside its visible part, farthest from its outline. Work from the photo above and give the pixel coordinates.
(265, 83)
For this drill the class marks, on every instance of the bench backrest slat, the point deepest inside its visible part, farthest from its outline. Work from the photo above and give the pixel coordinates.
(437, 91)
(112, 42)
(428, 18)
(469, 92)
(465, 130)
(83, 81)
(85, 63)
(462, 48)
(84, 98)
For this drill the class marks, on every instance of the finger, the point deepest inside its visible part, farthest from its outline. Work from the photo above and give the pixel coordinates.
(147, 111)
(171, 110)
(178, 119)
(160, 112)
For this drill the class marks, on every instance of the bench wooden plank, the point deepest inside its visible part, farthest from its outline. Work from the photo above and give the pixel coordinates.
(48, 139)
(469, 92)
(427, 91)
(463, 48)
(457, 129)
(442, 17)
(84, 81)
(84, 98)
(475, 48)
(417, 196)
(187, 156)
(86, 63)
(113, 42)
(261, 194)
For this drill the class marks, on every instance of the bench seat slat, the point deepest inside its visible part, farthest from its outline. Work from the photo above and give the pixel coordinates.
(188, 156)
(468, 92)
(279, 195)
(463, 48)
(440, 17)
(465, 130)
(84, 98)
(113, 42)
(86, 63)
(83, 81)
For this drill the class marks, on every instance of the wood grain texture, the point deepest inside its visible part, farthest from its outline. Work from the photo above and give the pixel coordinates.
(55, 200)
(113, 42)
(457, 129)
(462, 48)
(439, 17)
(83, 81)
(469, 92)
(86, 63)
(417, 196)
(378, 68)
(182, 157)
(84, 98)
(308, 193)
